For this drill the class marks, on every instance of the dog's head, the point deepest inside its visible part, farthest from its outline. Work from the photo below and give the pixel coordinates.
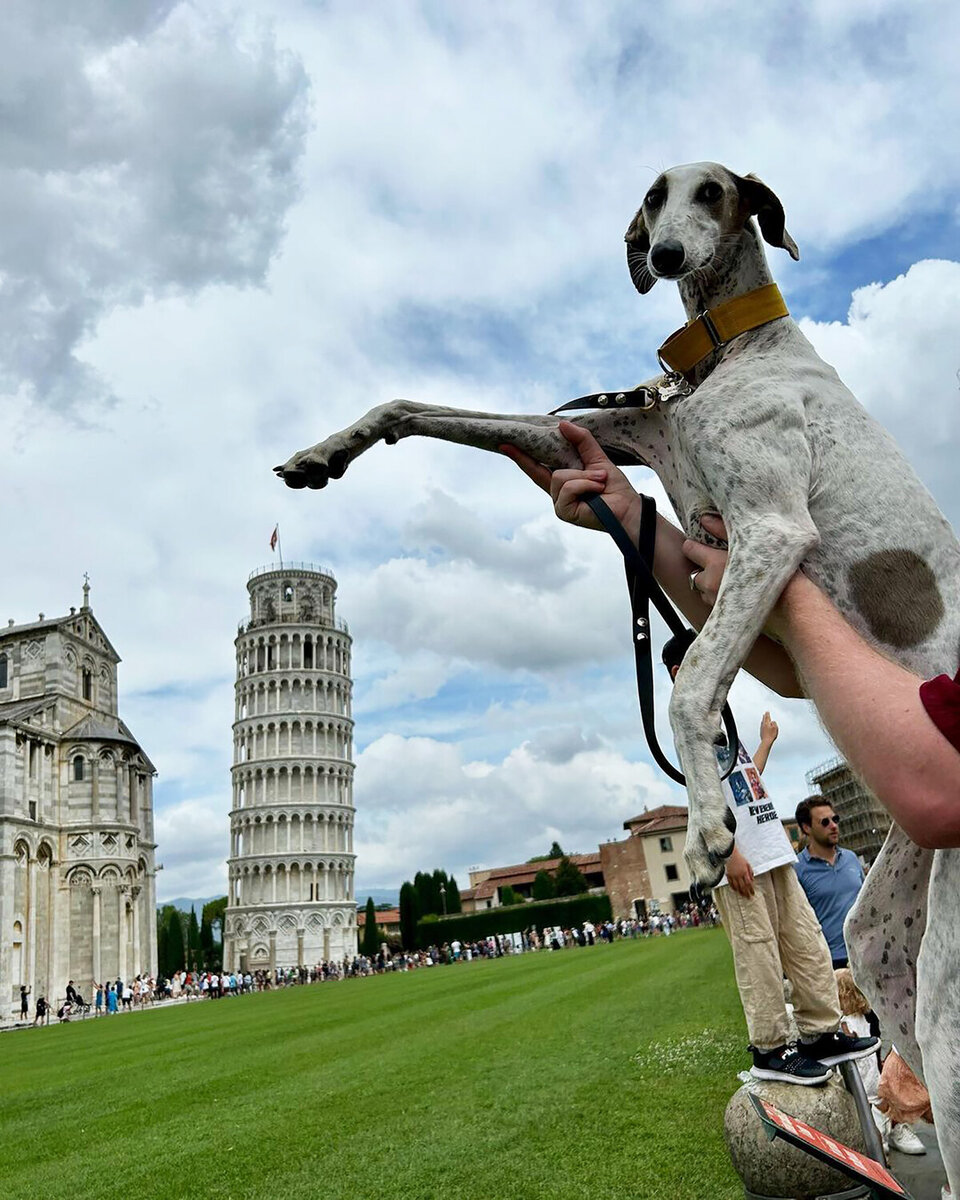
(688, 218)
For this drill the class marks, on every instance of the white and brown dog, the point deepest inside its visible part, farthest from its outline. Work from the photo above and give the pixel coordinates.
(770, 438)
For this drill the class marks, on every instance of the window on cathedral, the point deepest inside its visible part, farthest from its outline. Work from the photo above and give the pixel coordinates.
(78, 768)
(87, 685)
(308, 654)
(3, 670)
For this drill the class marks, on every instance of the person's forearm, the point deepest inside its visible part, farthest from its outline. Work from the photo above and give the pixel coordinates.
(767, 661)
(872, 709)
(762, 754)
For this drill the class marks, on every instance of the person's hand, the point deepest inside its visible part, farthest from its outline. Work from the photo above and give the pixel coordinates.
(769, 730)
(568, 487)
(740, 874)
(710, 559)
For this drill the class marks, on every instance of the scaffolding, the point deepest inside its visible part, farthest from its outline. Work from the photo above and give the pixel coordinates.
(863, 819)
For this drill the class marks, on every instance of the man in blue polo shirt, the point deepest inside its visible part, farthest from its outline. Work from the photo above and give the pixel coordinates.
(830, 875)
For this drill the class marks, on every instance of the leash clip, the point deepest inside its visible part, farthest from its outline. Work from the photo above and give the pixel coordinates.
(674, 386)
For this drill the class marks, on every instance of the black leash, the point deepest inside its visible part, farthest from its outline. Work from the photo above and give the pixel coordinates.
(638, 562)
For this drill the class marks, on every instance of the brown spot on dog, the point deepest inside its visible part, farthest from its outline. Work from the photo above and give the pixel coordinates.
(897, 594)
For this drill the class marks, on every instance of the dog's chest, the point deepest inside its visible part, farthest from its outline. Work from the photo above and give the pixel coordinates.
(678, 470)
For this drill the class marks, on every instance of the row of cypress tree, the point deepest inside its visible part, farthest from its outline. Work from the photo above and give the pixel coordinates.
(431, 894)
(184, 943)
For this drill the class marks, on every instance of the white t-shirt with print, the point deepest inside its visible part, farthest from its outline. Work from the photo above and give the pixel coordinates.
(761, 838)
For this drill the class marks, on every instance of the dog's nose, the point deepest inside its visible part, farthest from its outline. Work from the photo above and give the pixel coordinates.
(667, 257)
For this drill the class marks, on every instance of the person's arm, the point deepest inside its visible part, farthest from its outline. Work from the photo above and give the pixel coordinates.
(769, 731)
(767, 661)
(870, 705)
(872, 708)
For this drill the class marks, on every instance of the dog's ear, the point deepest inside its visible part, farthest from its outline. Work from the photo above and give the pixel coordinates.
(764, 204)
(638, 244)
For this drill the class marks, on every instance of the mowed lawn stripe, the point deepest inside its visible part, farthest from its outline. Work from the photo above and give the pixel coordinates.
(598, 1073)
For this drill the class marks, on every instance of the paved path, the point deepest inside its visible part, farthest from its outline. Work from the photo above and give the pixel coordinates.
(921, 1174)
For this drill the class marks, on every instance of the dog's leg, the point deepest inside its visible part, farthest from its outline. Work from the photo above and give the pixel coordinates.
(620, 431)
(938, 1007)
(883, 932)
(765, 551)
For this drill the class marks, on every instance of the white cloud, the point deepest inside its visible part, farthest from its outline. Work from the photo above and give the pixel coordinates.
(420, 805)
(245, 277)
(150, 149)
(898, 352)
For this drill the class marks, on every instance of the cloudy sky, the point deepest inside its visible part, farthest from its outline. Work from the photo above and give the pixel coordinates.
(228, 230)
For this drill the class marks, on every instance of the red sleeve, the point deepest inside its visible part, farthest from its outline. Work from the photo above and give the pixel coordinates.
(941, 698)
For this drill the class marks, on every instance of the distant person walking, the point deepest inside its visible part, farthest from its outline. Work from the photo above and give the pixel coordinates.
(24, 1006)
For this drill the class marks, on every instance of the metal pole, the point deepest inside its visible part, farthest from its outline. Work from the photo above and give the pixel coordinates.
(871, 1134)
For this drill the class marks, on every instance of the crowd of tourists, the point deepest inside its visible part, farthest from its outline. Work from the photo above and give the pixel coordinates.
(111, 997)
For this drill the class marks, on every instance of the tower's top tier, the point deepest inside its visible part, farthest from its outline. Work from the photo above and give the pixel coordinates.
(299, 593)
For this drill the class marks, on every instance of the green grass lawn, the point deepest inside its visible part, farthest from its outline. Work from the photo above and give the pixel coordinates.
(595, 1073)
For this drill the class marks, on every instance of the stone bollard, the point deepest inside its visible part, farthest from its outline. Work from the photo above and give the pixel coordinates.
(776, 1170)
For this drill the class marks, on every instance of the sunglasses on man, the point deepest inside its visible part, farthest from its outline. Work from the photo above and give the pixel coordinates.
(826, 821)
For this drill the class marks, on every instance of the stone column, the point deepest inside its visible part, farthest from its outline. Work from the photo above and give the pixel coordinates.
(273, 949)
(53, 885)
(132, 783)
(96, 934)
(137, 965)
(123, 941)
(95, 786)
(31, 930)
(299, 947)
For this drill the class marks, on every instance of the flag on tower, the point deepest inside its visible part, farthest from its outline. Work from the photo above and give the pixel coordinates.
(274, 537)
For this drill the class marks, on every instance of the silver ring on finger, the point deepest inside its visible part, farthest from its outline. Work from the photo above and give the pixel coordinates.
(693, 579)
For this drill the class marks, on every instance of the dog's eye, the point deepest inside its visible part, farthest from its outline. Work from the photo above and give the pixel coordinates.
(654, 198)
(711, 192)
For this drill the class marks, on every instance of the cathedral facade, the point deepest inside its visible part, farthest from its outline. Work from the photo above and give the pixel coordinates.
(290, 900)
(77, 872)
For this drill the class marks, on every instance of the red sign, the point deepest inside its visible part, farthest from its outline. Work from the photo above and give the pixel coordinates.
(828, 1149)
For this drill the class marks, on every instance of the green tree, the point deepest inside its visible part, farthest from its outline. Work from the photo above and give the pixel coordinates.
(172, 921)
(554, 853)
(371, 937)
(454, 903)
(544, 887)
(206, 942)
(161, 943)
(509, 896)
(409, 915)
(193, 941)
(423, 882)
(569, 880)
(211, 931)
(439, 891)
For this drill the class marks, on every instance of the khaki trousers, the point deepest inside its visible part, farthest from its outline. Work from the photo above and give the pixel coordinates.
(776, 933)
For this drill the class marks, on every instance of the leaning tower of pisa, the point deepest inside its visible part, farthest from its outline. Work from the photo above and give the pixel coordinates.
(290, 900)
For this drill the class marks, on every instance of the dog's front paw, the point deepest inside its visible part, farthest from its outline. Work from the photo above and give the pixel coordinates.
(706, 857)
(314, 468)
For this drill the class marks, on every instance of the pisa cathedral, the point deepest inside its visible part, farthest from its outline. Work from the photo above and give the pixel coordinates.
(77, 875)
(290, 899)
